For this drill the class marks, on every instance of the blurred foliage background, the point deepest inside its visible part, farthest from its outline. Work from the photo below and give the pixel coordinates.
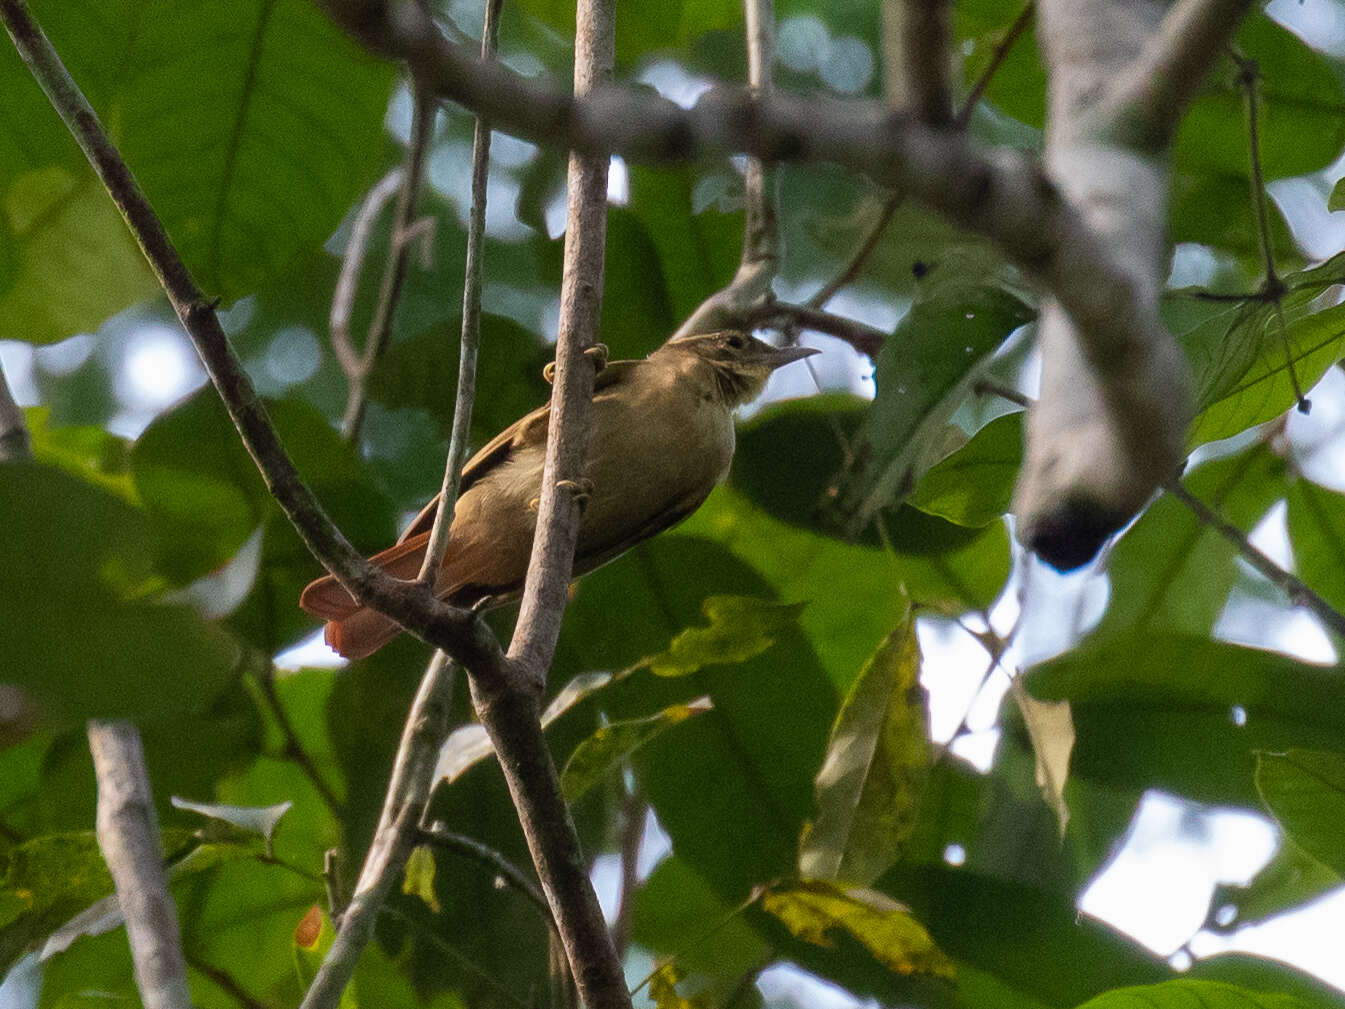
(145, 573)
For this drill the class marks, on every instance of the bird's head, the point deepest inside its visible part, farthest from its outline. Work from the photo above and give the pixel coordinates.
(741, 362)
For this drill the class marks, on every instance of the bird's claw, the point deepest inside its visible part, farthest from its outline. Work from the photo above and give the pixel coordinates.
(581, 490)
(597, 354)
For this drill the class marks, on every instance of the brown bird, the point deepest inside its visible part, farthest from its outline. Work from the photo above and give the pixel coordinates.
(661, 438)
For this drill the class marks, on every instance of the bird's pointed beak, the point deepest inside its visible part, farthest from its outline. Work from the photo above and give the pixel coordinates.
(781, 356)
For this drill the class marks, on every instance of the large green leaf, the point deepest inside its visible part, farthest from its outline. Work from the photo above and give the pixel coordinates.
(422, 373)
(1182, 712)
(698, 247)
(1174, 572)
(812, 909)
(613, 744)
(78, 634)
(195, 477)
(1316, 521)
(741, 769)
(1241, 361)
(920, 378)
(248, 125)
(1305, 790)
(973, 486)
(1182, 993)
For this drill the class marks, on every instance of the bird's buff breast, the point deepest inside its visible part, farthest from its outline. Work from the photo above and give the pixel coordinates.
(667, 448)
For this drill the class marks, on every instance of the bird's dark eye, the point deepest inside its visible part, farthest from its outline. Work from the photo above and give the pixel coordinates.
(736, 342)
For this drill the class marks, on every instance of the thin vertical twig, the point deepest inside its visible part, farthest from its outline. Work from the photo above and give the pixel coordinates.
(510, 711)
(750, 289)
(470, 340)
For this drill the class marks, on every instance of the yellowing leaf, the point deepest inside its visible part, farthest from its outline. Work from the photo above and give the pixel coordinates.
(740, 628)
(1050, 727)
(812, 908)
(663, 990)
(868, 789)
(418, 880)
(593, 758)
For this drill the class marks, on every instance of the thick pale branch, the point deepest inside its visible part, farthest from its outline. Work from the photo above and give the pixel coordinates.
(1005, 196)
(1150, 98)
(1110, 423)
(128, 834)
(411, 605)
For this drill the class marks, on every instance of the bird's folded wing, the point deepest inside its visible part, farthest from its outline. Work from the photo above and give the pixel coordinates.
(530, 429)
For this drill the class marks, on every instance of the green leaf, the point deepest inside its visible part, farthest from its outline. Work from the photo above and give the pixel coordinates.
(198, 481)
(46, 881)
(785, 463)
(71, 613)
(1183, 993)
(1305, 791)
(973, 486)
(811, 909)
(697, 248)
(1316, 519)
(663, 990)
(677, 913)
(1050, 728)
(1336, 201)
(1241, 362)
(1187, 714)
(869, 787)
(1288, 880)
(741, 769)
(67, 260)
(248, 128)
(1301, 121)
(88, 452)
(1171, 571)
(740, 629)
(921, 378)
(469, 744)
(613, 744)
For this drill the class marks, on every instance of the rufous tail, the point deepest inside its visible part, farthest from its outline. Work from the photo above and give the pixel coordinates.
(356, 631)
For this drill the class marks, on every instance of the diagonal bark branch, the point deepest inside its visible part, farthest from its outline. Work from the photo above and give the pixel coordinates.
(1006, 196)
